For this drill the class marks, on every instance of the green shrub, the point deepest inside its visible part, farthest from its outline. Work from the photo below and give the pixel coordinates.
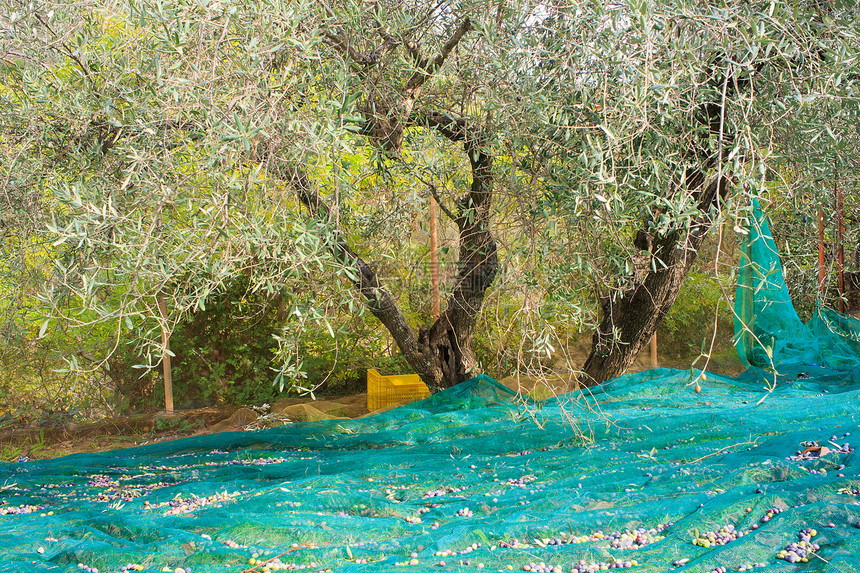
(223, 353)
(689, 327)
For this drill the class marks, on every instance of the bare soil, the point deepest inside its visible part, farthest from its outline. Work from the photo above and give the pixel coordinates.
(141, 429)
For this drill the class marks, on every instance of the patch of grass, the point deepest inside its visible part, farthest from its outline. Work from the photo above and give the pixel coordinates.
(31, 448)
(176, 424)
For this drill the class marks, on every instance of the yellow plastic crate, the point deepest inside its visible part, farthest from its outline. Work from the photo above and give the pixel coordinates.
(383, 391)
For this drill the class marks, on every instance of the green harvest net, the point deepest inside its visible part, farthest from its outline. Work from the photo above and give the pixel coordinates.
(644, 474)
(768, 330)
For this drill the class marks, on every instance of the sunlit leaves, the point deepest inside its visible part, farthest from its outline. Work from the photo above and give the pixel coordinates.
(155, 135)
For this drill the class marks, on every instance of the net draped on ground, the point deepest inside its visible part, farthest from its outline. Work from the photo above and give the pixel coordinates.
(757, 471)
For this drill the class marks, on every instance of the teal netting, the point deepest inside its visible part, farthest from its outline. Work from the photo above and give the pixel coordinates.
(768, 330)
(644, 474)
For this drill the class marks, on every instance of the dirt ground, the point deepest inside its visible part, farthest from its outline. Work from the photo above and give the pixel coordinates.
(142, 429)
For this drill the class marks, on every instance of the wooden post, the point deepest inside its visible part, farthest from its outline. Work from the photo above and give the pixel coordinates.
(841, 245)
(434, 260)
(821, 288)
(165, 356)
(654, 362)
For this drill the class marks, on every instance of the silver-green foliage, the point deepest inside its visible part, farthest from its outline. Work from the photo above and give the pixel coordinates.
(146, 141)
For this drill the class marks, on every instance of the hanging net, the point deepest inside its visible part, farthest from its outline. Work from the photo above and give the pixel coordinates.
(756, 472)
(768, 331)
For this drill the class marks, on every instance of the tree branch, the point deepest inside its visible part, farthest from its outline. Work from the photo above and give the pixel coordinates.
(426, 68)
(379, 300)
(415, 51)
(343, 46)
(327, 8)
(443, 355)
(435, 193)
(439, 202)
(68, 52)
(474, 143)
(385, 120)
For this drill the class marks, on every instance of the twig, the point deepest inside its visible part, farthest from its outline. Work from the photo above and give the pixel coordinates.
(327, 8)
(749, 443)
(343, 47)
(426, 67)
(435, 193)
(267, 561)
(69, 52)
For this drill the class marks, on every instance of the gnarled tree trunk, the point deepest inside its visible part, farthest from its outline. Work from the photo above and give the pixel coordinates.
(447, 345)
(442, 354)
(631, 314)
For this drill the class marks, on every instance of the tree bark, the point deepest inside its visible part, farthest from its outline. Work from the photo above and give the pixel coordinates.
(447, 345)
(631, 315)
(442, 354)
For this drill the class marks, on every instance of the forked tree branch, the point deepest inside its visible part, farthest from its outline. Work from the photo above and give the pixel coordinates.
(435, 193)
(343, 46)
(474, 142)
(379, 300)
(385, 122)
(426, 67)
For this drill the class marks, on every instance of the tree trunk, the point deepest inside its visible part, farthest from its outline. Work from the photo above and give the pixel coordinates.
(441, 355)
(631, 316)
(447, 345)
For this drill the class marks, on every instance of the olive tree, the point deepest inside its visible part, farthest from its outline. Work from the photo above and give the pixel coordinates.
(660, 123)
(579, 151)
